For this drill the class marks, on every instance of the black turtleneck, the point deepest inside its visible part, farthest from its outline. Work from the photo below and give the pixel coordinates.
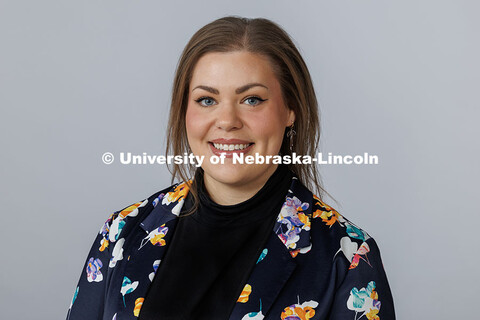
(212, 253)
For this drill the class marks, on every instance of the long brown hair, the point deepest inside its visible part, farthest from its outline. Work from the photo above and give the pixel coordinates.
(260, 36)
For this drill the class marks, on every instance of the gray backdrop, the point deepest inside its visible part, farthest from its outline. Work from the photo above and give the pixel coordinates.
(394, 78)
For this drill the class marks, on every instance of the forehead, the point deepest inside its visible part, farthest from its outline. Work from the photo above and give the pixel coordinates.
(233, 69)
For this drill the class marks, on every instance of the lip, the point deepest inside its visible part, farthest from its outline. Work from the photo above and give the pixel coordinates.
(229, 154)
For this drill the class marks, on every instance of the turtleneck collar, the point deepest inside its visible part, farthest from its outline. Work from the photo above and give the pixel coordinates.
(258, 207)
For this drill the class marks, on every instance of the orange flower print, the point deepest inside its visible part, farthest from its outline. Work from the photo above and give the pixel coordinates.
(103, 244)
(304, 311)
(155, 237)
(118, 223)
(372, 315)
(328, 215)
(245, 294)
(104, 232)
(130, 210)
(305, 220)
(177, 195)
(295, 252)
(138, 306)
(158, 239)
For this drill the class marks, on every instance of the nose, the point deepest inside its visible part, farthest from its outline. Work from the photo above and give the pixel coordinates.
(228, 117)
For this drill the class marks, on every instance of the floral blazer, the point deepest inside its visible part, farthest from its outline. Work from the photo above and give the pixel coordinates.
(315, 265)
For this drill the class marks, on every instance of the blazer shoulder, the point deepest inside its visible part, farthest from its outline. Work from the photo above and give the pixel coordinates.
(335, 223)
(121, 221)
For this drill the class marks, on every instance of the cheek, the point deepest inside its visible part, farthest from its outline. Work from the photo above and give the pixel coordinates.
(191, 124)
(271, 124)
(196, 124)
(269, 129)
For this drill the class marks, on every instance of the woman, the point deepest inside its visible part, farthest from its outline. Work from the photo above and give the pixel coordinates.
(238, 241)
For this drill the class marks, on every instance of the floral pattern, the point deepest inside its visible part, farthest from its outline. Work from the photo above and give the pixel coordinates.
(128, 287)
(328, 215)
(254, 315)
(156, 237)
(158, 199)
(156, 263)
(93, 270)
(302, 311)
(365, 301)
(74, 297)
(176, 196)
(292, 221)
(305, 227)
(245, 293)
(117, 253)
(138, 306)
(262, 255)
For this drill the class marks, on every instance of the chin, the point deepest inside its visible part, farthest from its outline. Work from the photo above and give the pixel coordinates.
(228, 173)
(236, 175)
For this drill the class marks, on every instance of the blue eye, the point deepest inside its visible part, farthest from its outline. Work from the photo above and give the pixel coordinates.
(205, 101)
(253, 101)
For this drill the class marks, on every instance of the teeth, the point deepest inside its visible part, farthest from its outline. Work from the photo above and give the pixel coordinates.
(230, 147)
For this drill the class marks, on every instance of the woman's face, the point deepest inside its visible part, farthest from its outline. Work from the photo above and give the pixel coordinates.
(235, 105)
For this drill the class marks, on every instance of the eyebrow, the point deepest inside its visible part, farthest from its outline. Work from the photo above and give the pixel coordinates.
(237, 91)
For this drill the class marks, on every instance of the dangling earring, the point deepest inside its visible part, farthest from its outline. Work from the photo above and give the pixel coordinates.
(290, 134)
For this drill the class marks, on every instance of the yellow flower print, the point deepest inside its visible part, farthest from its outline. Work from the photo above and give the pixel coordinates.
(177, 194)
(158, 240)
(328, 215)
(305, 220)
(103, 244)
(372, 314)
(138, 306)
(245, 294)
(177, 197)
(128, 211)
(155, 237)
(304, 311)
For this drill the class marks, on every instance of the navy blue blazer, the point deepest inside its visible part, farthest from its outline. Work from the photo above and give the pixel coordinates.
(315, 265)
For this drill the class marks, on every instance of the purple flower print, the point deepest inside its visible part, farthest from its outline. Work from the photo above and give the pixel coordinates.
(93, 270)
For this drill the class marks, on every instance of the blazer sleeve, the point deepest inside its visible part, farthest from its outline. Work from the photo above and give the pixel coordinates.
(89, 296)
(364, 292)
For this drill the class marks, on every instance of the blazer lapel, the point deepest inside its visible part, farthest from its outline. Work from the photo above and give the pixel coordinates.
(290, 237)
(150, 240)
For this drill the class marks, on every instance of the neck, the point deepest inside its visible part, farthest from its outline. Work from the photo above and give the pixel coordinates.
(231, 194)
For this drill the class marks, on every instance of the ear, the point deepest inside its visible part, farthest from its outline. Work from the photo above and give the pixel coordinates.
(291, 117)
